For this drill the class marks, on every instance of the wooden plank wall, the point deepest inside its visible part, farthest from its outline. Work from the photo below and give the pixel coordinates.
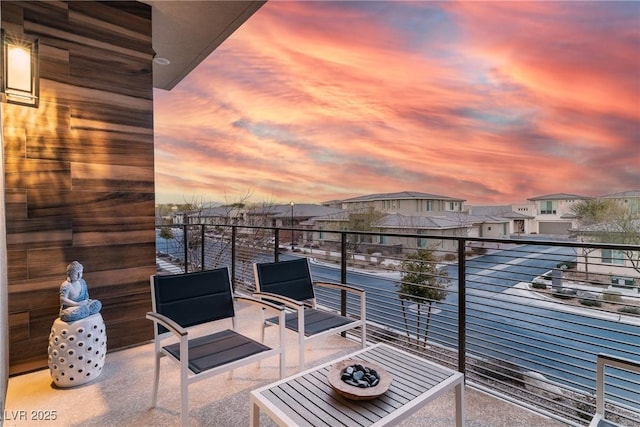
(79, 179)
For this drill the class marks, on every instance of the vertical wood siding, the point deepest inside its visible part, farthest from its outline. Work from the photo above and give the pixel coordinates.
(79, 171)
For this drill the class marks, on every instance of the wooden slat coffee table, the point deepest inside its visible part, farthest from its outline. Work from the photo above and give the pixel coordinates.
(307, 399)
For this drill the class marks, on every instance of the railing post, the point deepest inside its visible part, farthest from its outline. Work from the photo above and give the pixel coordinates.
(343, 273)
(185, 238)
(233, 256)
(276, 249)
(462, 309)
(202, 247)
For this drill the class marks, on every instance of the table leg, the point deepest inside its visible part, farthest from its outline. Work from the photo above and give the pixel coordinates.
(254, 415)
(460, 405)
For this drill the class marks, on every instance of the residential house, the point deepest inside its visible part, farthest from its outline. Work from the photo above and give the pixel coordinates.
(328, 224)
(553, 214)
(406, 212)
(498, 221)
(293, 215)
(427, 225)
(630, 200)
(219, 215)
(410, 203)
(622, 267)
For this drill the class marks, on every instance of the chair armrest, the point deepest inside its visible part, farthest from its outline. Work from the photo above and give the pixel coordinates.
(167, 323)
(289, 302)
(263, 303)
(341, 286)
(351, 289)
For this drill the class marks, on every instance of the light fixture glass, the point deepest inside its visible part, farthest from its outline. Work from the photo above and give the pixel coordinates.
(161, 61)
(20, 70)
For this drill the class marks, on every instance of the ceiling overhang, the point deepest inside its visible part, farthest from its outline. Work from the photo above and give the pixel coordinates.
(186, 32)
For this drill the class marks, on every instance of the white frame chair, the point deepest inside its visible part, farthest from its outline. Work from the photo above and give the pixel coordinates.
(289, 283)
(182, 302)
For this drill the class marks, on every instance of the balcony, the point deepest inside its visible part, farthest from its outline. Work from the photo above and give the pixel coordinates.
(122, 394)
(523, 319)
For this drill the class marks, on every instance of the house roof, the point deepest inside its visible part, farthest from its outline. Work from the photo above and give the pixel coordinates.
(560, 196)
(421, 222)
(341, 215)
(623, 195)
(490, 210)
(516, 215)
(186, 32)
(220, 211)
(609, 227)
(496, 213)
(478, 219)
(402, 195)
(300, 210)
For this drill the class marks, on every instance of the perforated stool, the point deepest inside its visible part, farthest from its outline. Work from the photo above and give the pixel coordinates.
(77, 350)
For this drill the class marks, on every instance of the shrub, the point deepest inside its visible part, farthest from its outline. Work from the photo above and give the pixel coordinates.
(450, 257)
(566, 265)
(565, 293)
(612, 296)
(591, 303)
(500, 370)
(629, 309)
(538, 285)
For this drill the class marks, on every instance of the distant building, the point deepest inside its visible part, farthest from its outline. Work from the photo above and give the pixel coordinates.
(409, 203)
(621, 266)
(499, 221)
(553, 214)
(628, 199)
(296, 215)
(219, 215)
(432, 226)
(406, 212)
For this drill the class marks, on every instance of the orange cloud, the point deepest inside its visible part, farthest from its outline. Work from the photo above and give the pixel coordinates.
(488, 101)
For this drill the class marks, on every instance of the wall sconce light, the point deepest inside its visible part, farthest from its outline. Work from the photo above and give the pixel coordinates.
(20, 70)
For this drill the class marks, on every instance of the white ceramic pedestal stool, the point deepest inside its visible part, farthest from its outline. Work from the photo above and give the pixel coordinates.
(77, 350)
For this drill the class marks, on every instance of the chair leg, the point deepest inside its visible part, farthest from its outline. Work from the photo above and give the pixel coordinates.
(184, 403)
(301, 337)
(264, 325)
(156, 379)
(363, 314)
(184, 381)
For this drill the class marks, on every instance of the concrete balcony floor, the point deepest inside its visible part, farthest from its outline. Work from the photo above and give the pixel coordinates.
(121, 395)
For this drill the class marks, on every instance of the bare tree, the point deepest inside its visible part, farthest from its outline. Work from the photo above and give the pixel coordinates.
(363, 220)
(605, 221)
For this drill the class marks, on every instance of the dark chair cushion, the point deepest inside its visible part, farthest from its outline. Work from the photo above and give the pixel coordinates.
(194, 298)
(289, 278)
(315, 321)
(217, 349)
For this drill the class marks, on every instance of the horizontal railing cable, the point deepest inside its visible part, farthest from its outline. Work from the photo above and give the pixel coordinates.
(529, 315)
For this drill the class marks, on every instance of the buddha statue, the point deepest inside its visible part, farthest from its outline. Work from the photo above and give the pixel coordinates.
(75, 303)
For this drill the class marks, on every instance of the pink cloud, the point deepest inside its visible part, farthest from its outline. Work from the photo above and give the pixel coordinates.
(312, 101)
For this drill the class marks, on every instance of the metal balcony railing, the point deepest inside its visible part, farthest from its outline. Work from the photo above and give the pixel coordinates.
(523, 319)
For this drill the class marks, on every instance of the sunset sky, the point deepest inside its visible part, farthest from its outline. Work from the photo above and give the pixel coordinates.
(492, 102)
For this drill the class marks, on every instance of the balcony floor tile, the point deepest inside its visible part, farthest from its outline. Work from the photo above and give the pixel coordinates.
(121, 395)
